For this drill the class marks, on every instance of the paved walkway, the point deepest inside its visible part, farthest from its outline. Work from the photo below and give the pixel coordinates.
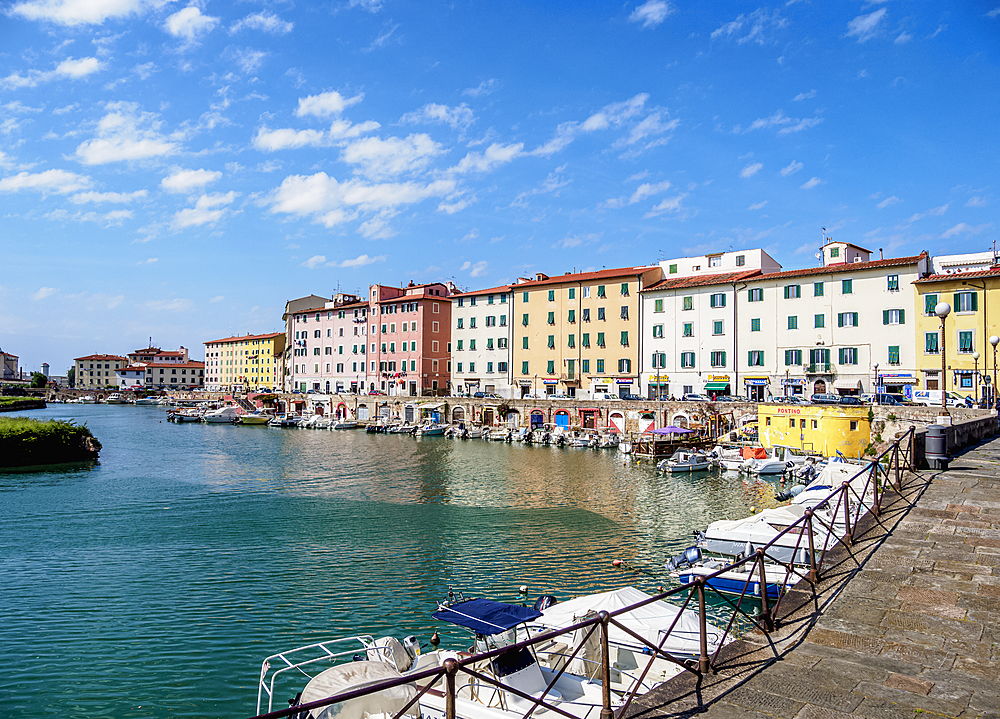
(905, 624)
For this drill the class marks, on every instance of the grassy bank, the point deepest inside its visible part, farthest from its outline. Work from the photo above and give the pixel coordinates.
(16, 404)
(26, 442)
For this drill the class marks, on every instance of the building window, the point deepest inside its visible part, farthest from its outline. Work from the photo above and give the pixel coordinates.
(965, 342)
(715, 261)
(600, 339)
(552, 295)
(472, 366)
(571, 341)
(848, 355)
(846, 287)
(460, 302)
(624, 289)
(524, 320)
(489, 367)
(585, 366)
(550, 367)
(503, 318)
(600, 314)
(624, 312)
(571, 316)
(755, 358)
(819, 321)
(657, 305)
(930, 302)
(624, 338)
(459, 367)
(585, 314)
(524, 367)
(601, 291)
(834, 252)
(793, 322)
(818, 289)
(688, 329)
(931, 343)
(624, 366)
(600, 366)
(552, 342)
(524, 297)
(673, 269)
(502, 366)
(717, 300)
(718, 359)
(793, 357)
(892, 283)
(687, 360)
(893, 317)
(502, 343)
(755, 324)
(793, 292)
(966, 301)
(755, 295)
(524, 343)
(585, 339)
(657, 332)
(717, 327)
(893, 354)
(491, 321)
(847, 319)
(572, 293)
(741, 260)
(687, 303)
(551, 318)
(659, 360)
(472, 345)
(472, 323)
(436, 326)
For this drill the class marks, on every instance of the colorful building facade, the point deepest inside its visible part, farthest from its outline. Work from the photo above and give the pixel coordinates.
(251, 363)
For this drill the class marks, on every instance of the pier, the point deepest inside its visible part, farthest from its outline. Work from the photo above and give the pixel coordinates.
(905, 622)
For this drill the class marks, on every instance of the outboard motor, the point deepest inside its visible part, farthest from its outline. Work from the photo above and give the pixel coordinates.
(690, 556)
(412, 646)
(543, 602)
(790, 493)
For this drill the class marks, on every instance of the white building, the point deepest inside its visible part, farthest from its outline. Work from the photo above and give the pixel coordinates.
(968, 262)
(720, 262)
(481, 337)
(762, 334)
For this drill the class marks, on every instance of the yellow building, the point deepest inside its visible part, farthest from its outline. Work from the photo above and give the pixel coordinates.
(244, 364)
(825, 429)
(975, 310)
(578, 334)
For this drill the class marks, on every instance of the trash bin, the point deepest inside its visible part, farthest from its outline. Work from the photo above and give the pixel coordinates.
(936, 447)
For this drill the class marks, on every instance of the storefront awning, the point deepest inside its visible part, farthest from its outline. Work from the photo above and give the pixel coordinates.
(716, 386)
(430, 407)
(846, 384)
(897, 380)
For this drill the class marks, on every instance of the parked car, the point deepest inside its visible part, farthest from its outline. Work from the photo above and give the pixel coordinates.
(558, 395)
(608, 395)
(726, 398)
(825, 398)
(633, 397)
(850, 400)
(797, 399)
(932, 398)
(694, 397)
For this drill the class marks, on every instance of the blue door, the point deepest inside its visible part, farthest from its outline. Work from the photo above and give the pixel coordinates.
(562, 420)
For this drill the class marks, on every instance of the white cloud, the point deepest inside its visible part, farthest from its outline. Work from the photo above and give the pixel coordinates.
(494, 156)
(671, 204)
(376, 229)
(59, 182)
(287, 139)
(344, 129)
(81, 198)
(325, 104)
(904, 37)
(378, 159)
(189, 24)
(80, 12)
(888, 201)
(781, 120)
(976, 202)
(757, 25)
(332, 202)
(792, 167)
(652, 13)
(757, 205)
(361, 261)
(455, 117)
(477, 269)
(150, 261)
(248, 59)
(751, 169)
(486, 87)
(641, 193)
(42, 293)
(175, 305)
(810, 183)
(264, 21)
(577, 240)
(125, 133)
(69, 68)
(963, 229)
(208, 209)
(315, 261)
(179, 181)
(613, 115)
(804, 96)
(864, 27)
(217, 298)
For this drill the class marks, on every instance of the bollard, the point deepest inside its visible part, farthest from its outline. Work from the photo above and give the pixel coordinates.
(765, 601)
(704, 664)
(450, 669)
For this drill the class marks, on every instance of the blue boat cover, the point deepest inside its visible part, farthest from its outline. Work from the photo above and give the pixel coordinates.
(484, 616)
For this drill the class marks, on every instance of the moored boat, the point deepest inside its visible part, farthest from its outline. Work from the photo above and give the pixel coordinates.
(685, 460)
(222, 415)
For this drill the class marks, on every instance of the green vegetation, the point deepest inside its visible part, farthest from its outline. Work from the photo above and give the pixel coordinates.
(26, 442)
(38, 380)
(14, 404)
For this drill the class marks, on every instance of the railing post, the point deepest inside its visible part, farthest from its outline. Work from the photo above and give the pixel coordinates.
(813, 575)
(606, 711)
(450, 669)
(704, 664)
(765, 601)
(849, 537)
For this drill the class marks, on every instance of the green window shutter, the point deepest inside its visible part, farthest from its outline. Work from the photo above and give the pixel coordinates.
(885, 317)
(840, 319)
(524, 343)
(975, 301)
(854, 318)
(902, 317)
(955, 301)
(723, 356)
(550, 367)
(841, 354)
(930, 301)
(585, 366)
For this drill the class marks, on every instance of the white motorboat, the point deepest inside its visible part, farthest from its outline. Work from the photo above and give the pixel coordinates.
(728, 458)
(258, 418)
(608, 441)
(344, 424)
(741, 581)
(184, 415)
(147, 402)
(431, 429)
(766, 465)
(684, 460)
(317, 421)
(742, 537)
(88, 399)
(285, 420)
(222, 415)
(115, 398)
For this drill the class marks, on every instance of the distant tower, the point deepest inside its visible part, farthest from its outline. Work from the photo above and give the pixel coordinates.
(45, 368)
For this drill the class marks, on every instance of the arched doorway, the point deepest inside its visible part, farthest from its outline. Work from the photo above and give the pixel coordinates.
(562, 419)
(458, 414)
(819, 387)
(616, 422)
(537, 418)
(363, 412)
(679, 420)
(513, 418)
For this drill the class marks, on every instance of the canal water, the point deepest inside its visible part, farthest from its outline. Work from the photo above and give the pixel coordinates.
(153, 583)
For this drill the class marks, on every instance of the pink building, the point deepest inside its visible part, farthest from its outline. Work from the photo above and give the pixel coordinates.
(409, 339)
(328, 346)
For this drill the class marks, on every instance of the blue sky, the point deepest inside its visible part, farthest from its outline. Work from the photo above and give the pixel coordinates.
(179, 170)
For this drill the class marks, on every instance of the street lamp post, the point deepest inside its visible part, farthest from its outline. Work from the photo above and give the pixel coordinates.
(994, 340)
(942, 310)
(786, 383)
(975, 371)
(876, 381)
(534, 386)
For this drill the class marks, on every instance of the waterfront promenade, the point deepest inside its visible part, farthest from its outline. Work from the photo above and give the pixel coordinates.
(906, 623)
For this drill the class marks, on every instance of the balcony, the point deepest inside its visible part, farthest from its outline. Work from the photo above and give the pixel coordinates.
(818, 368)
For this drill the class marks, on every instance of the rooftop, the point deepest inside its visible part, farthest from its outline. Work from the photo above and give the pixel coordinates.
(952, 276)
(99, 357)
(246, 337)
(588, 276)
(724, 278)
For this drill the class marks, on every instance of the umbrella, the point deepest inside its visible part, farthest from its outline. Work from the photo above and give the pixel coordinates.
(671, 430)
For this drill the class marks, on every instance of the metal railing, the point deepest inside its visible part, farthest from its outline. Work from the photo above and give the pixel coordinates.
(834, 519)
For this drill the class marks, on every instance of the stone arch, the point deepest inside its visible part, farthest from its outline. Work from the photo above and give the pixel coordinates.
(458, 414)
(679, 420)
(819, 387)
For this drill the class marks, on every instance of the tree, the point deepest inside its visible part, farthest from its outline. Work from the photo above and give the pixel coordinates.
(38, 380)
(71, 376)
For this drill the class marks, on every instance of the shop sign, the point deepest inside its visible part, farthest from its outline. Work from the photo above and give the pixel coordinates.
(524, 382)
(894, 375)
(659, 378)
(550, 381)
(755, 380)
(624, 381)
(718, 378)
(793, 381)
